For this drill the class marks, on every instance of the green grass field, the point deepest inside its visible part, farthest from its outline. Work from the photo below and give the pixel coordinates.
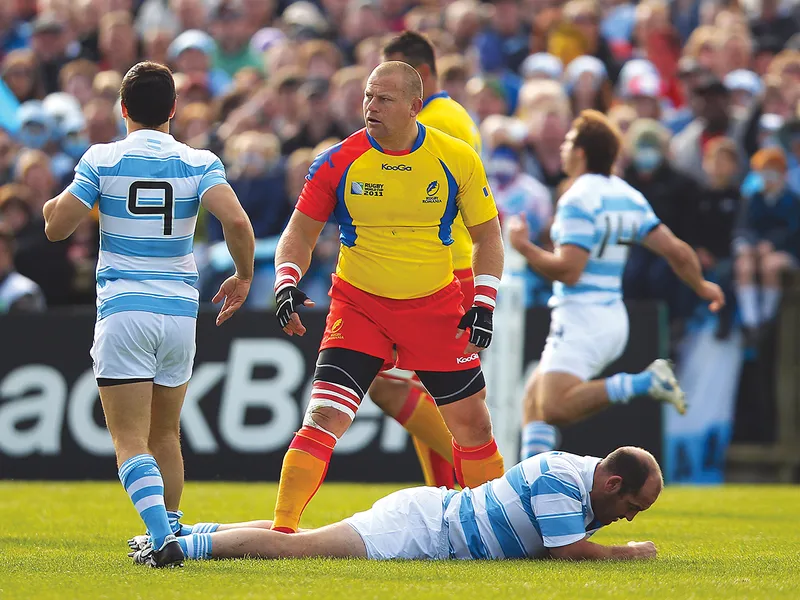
(60, 540)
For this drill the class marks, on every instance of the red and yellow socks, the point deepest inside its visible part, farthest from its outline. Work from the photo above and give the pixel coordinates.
(477, 465)
(432, 439)
(304, 468)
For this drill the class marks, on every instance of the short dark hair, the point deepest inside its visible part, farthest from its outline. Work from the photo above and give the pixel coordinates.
(148, 93)
(599, 139)
(631, 466)
(415, 48)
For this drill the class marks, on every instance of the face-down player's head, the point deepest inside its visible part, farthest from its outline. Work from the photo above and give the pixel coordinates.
(626, 482)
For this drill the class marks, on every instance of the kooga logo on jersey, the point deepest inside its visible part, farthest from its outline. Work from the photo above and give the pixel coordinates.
(386, 167)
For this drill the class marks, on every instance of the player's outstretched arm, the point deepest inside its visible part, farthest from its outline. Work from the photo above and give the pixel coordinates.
(62, 215)
(565, 264)
(586, 550)
(292, 259)
(221, 201)
(684, 263)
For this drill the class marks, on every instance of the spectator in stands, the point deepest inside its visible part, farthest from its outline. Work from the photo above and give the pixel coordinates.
(76, 78)
(117, 41)
(505, 33)
(317, 117)
(191, 14)
(703, 47)
(155, 44)
(101, 122)
(485, 96)
(8, 153)
(545, 109)
(673, 198)
(713, 119)
(716, 213)
(193, 125)
(348, 95)
(255, 174)
(50, 46)
(319, 59)
(519, 195)
(463, 19)
(36, 126)
(735, 50)
(14, 34)
(453, 76)
(771, 20)
(15, 208)
(192, 53)
(106, 85)
(17, 292)
(585, 15)
(766, 241)
(587, 84)
(232, 33)
(22, 75)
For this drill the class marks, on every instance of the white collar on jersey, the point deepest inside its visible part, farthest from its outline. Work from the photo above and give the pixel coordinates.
(587, 474)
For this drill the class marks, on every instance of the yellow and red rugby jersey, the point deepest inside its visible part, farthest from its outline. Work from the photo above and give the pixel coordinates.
(396, 210)
(444, 113)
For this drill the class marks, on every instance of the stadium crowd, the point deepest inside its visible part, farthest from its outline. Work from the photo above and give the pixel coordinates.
(705, 92)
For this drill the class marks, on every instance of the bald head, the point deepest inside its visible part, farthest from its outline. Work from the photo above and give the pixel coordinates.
(635, 466)
(407, 77)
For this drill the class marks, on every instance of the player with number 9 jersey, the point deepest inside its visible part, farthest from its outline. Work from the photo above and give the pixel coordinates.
(148, 188)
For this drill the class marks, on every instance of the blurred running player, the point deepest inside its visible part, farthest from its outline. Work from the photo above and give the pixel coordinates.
(149, 188)
(394, 391)
(547, 506)
(597, 220)
(395, 189)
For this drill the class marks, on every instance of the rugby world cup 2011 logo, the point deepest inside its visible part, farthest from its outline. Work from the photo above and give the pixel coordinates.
(356, 188)
(432, 193)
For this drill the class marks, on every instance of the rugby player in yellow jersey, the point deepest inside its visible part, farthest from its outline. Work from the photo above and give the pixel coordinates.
(394, 392)
(395, 189)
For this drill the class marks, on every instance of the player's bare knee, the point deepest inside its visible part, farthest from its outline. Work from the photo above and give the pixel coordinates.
(556, 412)
(164, 437)
(389, 396)
(330, 419)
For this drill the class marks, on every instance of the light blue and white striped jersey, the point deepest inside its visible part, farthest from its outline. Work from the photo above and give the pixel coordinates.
(149, 187)
(605, 216)
(543, 502)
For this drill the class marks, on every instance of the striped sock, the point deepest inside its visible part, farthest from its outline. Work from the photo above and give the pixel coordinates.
(303, 471)
(196, 546)
(624, 386)
(179, 528)
(537, 437)
(142, 480)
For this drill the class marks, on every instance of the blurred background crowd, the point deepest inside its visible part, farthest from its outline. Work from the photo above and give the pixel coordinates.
(705, 92)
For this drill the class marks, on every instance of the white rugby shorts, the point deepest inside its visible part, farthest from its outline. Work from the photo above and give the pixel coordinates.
(143, 345)
(585, 338)
(408, 524)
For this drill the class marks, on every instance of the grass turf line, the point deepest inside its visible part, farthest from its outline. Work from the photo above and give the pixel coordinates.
(67, 540)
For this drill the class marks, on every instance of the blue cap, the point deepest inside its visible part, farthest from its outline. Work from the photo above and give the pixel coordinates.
(744, 80)
(33, 111)
(544, 63)
(191, 39)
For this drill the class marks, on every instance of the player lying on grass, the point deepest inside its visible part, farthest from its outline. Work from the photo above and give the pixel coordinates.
(548, 505)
